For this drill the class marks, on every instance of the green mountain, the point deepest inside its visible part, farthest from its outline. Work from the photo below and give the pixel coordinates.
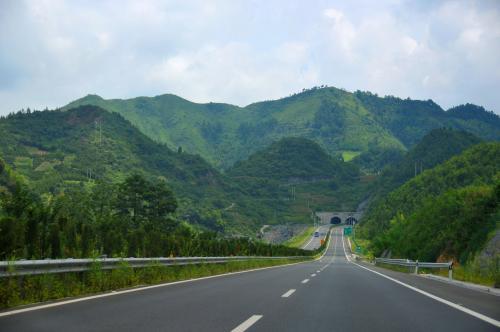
(204, 129)
(409, 120)
(56, 151)
(293, 160)
(339, 121)
(436, 147)
(300, 177)
(447, 210)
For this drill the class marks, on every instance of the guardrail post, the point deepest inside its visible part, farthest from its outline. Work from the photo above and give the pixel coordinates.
(450, 271)
(416, 267)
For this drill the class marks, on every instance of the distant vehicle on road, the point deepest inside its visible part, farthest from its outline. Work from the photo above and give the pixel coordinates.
(316, 234)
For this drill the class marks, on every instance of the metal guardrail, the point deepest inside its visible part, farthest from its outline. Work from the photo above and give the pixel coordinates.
(417, 264)
(33, 267)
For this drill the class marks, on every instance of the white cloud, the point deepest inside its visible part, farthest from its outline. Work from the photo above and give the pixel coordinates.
(54, 51)
(334, 13)
(213, 72)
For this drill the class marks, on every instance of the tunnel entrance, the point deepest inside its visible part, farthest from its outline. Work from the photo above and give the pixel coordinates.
(335, 221)
(351, 221)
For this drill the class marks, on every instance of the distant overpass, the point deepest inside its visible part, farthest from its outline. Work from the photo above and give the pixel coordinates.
(337, 217)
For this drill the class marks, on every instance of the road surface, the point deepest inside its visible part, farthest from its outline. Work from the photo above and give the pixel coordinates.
(314, 242)
(330, 294)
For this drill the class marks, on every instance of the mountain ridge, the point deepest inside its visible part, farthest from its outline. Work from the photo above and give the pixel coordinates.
(339, 121)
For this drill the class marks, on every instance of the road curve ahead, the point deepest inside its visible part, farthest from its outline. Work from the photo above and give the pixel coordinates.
(330, 294)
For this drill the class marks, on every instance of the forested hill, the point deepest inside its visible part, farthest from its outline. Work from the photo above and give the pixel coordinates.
(409, 120)
(55, 149)
(294, 160)
(447, 210)
(436, 147)
(58, 151)
(339, 121)
(295, 176)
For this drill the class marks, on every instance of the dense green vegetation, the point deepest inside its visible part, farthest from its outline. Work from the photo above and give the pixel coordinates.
(453, 225)
(436, 147)
(375, 160)
(133, 218)
(301, 178)
(57, 151)
(410, 120)
(293, 160)
(341, 122)
(446, 212)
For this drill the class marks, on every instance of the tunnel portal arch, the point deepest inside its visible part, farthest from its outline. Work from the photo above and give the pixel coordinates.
(335, 220)
(351, 220)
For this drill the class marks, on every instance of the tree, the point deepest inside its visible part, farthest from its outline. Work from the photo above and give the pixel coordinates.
(131, 199)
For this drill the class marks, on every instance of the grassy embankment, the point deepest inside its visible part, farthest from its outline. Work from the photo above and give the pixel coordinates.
(300, 239)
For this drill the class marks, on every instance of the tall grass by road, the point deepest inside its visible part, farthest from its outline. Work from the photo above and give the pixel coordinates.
(20, 290)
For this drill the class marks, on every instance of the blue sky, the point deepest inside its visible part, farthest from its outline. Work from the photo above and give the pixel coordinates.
(239, 52)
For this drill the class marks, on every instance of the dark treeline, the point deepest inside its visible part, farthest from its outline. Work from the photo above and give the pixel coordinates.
(134, 218)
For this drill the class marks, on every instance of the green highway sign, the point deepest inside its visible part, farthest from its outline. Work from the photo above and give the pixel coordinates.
(348, 231)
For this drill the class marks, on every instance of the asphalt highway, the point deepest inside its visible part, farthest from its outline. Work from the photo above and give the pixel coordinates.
(314, 242)
(330, 294)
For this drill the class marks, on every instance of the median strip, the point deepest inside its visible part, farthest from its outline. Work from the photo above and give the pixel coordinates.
(246, 324)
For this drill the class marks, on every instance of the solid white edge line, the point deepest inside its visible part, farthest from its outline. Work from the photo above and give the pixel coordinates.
(288, 293)
(312, 238)
(112, 293)
(482, 317)
(305, 281)
(246, 324)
